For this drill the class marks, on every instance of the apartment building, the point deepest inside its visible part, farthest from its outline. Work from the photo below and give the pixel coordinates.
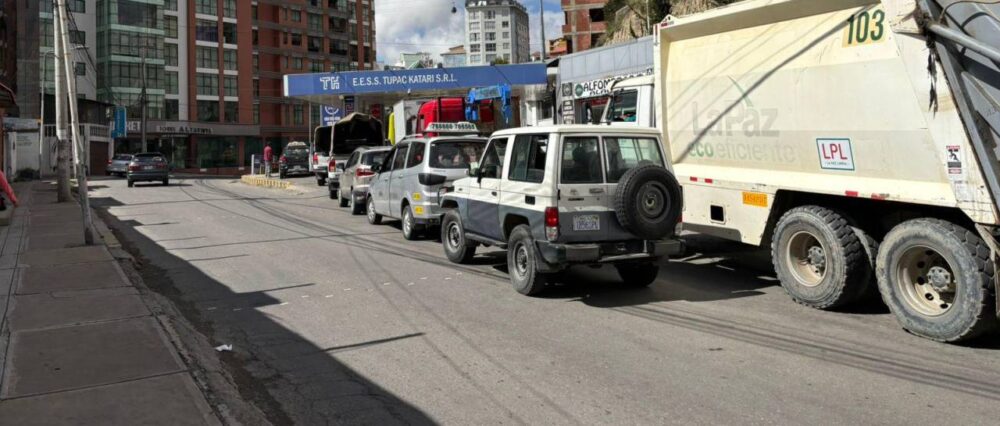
(496, 29)
(584, 24)
(211, 70)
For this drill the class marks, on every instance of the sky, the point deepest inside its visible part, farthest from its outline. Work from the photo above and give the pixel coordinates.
(429, 26)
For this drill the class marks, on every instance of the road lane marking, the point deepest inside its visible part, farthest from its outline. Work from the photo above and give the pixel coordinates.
(328, 296)
(282, 303)
(305, 296)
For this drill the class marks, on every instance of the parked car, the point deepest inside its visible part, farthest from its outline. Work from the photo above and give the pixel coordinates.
(118, 165)
(356, 177)
(566, 195)
(354, 131)
(148, 167)
(408, 181)
(294, 160)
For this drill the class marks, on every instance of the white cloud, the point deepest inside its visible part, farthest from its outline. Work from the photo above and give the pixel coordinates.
(429, 26)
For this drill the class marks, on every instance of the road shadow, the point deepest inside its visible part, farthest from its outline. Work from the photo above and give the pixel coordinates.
(270, 364)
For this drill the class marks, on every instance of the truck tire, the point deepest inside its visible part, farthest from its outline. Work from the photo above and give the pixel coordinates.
(648, 201)
(638, 274)
(373, 218)
(937, 278)
(456, 247)
(522, 262)
(320, 181)
(819, 258)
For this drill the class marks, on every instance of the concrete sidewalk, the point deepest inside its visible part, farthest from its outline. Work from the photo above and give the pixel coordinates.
(78, 344)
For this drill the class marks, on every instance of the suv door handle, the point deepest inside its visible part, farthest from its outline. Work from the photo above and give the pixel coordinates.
(596, 190)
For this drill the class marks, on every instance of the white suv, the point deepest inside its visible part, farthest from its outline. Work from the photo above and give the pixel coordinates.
(563, 195)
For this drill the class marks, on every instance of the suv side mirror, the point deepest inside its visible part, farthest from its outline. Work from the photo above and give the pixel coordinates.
(473, 169)
(376, 168)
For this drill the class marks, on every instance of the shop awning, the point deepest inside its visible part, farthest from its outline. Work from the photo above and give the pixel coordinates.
(323, 87)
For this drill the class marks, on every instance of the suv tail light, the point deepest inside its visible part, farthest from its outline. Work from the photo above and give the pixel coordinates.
(551, 223)
(109, 162)
(316, 159)
(282, 160)
(332, 165)
(364, 172)
(133, 167)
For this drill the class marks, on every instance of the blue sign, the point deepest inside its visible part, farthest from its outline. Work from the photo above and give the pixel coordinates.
(329, 115)
(500, 92)
(120, 127)
(359, 82)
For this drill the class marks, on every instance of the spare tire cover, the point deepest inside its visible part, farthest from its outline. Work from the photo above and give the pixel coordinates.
(648, 201)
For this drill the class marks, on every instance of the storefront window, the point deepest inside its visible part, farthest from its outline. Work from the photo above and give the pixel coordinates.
(218, 152)
(252, 146)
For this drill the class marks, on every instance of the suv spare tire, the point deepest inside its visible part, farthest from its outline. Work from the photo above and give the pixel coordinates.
(648, 201)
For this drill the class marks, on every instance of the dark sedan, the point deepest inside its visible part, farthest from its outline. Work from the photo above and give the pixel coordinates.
(148, 167)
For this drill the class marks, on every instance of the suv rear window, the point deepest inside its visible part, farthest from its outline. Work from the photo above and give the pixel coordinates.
(148, 158)
(374, 158)
(297, 153)
(455, 154)
(581, 160)
(624, 153)
(123, 157)
(528, 158)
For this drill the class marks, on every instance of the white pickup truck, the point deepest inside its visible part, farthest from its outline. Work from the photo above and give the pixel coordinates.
(856, 139)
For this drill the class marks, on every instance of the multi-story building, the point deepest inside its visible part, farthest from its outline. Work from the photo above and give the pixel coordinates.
(584, 24)
(211, 70)
(454, 57)
(496, 29)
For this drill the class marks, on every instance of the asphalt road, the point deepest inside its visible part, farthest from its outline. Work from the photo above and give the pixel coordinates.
(334, 320)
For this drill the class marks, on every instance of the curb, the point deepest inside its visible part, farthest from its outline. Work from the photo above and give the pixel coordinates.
(265, 182)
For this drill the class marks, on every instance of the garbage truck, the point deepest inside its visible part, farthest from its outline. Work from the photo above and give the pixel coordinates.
(856, 139)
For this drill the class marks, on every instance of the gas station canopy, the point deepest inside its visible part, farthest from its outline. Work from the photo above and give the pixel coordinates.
(391, 86)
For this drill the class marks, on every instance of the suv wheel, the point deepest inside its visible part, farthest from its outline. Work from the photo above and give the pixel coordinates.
(522, 262)
(356, 207)
(373, 218)
(344, 202)
(638, 274)
(131, 183)
(410, 227)
(320, 181)
(453, 239)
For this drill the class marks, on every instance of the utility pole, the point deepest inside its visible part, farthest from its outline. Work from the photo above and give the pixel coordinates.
(541, 12)
(142, 98)
(62, 154)
(78, 148)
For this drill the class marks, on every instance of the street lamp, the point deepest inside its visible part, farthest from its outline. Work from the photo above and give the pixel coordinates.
(41, 121)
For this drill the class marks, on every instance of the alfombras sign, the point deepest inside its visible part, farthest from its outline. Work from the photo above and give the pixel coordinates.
(358, 82)
(599, 87)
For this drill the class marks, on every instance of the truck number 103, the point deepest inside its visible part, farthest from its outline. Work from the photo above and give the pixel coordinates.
(865, 28)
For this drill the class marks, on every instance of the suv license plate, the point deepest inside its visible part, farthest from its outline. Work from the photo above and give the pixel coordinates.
(148, 167)
(590, 222)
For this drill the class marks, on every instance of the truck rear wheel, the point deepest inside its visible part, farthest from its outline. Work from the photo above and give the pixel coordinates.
(522, 262)
(937, 278)
(820, 260)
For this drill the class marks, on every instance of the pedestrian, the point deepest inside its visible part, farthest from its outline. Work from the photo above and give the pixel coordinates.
(5, 186)
(267, 160)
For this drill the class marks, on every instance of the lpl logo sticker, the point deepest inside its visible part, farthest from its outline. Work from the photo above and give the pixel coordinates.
(954, 160)
(835, 154)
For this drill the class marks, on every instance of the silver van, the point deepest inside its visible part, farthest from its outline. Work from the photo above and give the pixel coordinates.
(408, 181)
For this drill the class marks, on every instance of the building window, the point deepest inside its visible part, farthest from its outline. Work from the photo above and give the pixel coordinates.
(506, 35)
(207, 7)
(208, 84)
(316, 66)
(490, 14)
(256, 88)
(491, 47)
(229, 8)
(172, 110)
(170, 5)
(297, 63)
(490, 25)
(505, 24)
(256, 62)
(207, 57)
(475, 48)
(77, 37)
(78, 6)
(206, 30)
(208, 111)
(315, 22)
(170, 54)
(229, 33)
(232, 86)
(473, 36)
(232, 112)
(296, 15)
(296, 39)
(170, 26)
(491, 36)
(229, 59)
(256, 113)
(297, 117)
(506, 46)
(315, 44)
(475, 59)
(137, 14)
(170, 83)
(597, 14)
(81, 69)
